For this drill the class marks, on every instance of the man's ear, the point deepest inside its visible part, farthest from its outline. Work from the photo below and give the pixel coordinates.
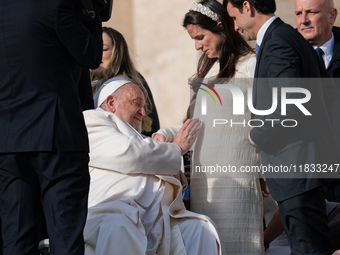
(333, 15)
(111, 104)
(248, 8)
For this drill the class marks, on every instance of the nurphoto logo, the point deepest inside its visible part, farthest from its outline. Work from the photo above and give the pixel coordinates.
(284, 100)
(204, 99)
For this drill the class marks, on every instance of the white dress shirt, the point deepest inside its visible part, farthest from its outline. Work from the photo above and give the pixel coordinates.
(263, 29)
(327, 48)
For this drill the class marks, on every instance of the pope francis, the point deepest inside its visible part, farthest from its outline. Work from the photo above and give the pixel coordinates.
(135, 199)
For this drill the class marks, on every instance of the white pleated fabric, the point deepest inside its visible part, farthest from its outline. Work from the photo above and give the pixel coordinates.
(232, 200)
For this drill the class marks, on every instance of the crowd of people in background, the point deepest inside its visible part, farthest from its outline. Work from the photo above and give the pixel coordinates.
(83, 157)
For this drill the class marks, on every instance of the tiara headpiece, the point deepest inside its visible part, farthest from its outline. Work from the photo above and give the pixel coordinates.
(198, 7)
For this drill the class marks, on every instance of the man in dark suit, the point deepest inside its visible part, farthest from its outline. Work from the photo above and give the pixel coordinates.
(284, 53)
(314, 20)
(44, 47)
(0, 240)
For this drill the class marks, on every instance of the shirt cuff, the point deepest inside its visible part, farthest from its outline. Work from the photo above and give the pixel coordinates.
(250, 140)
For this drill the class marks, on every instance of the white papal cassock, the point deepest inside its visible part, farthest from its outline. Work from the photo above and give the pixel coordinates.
(135, 199)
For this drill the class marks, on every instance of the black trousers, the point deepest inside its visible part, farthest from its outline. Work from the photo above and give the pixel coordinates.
(53, 184)
(306, 223)
(334, 227)
(0, 237)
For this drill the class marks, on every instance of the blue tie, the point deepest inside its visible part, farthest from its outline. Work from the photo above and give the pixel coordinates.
(320, 52)
(257, 48)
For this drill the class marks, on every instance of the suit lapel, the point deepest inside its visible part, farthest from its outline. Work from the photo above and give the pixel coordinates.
(267, 35)
(336, 50)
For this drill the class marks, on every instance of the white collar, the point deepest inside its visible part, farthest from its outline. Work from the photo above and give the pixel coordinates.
(328, 48)
(263, 29)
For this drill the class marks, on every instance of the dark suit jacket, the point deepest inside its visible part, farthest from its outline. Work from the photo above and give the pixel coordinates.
(334, 71)
(44, 46)
(284, 53)
(334, 66)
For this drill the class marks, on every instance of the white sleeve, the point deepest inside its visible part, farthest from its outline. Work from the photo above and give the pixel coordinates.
(124, 150)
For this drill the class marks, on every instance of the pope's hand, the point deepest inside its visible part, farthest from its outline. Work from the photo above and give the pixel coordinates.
(158, 137)
(188, 134)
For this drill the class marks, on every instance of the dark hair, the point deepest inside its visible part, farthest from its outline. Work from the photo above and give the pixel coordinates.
(261, 6)
(233, 45)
